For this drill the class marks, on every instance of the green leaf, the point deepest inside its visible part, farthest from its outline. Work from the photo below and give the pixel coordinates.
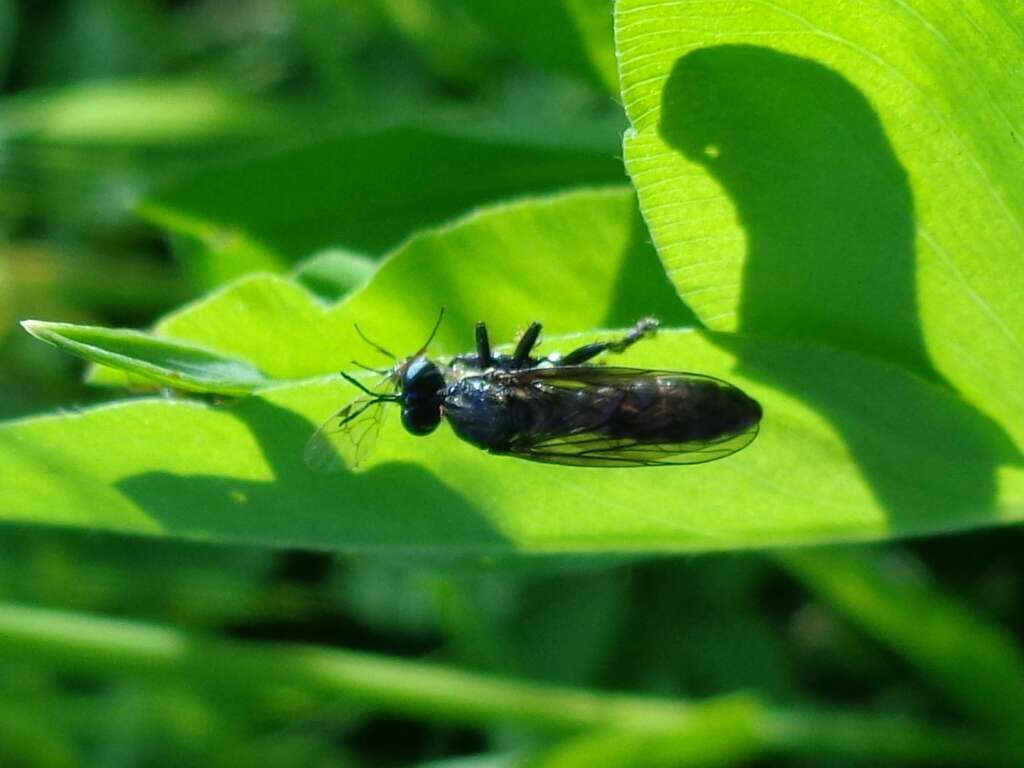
(570, 36)
(236, 474)
(176, 364)
(576, 262)
(852, 177)
(364, 193)
(596, 269)
(725, 732)
(333, 273)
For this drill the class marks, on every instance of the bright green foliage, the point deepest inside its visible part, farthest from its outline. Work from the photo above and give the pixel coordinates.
(172, 363)
(570, 36)
(871, 428)
(575, 261)
(333, 273)
(572, 261)
(852, 177)
(835, 189)
(237, 474)
(727, 732)
(364, 192)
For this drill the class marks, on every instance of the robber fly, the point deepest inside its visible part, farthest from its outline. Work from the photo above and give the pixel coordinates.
(558, 409)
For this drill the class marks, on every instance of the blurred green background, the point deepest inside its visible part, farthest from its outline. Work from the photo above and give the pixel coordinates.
(108, 102)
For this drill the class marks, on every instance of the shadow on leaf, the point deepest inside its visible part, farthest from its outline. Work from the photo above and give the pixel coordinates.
(395, 506)
(829, 219)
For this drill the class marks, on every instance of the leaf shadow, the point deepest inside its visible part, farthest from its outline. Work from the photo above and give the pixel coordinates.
(829, 218)
(398, 507)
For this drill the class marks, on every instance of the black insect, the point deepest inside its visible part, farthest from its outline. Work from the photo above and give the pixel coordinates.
(554, 409)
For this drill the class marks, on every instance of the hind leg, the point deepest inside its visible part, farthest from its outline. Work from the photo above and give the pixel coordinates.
(643, 328)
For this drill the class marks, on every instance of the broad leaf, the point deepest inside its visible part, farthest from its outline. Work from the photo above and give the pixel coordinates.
(576, 262)
(237, 474)
(570, 36)
(365, 192)
(852, 177)
(333, 273)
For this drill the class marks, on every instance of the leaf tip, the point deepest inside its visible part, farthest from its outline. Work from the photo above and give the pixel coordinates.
(37, 328)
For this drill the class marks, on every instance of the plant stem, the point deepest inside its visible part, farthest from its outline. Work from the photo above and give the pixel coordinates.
(100, 645)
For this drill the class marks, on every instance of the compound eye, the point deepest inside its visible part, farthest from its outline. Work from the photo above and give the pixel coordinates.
(420, 420)
(417, 371)
(422, 393)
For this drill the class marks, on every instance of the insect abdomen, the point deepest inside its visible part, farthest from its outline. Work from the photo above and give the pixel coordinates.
(498, 413)
(674, 411)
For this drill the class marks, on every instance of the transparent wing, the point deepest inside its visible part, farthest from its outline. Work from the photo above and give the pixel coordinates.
(578, 376)
(587, 449)
(686, 395)
(348, 438)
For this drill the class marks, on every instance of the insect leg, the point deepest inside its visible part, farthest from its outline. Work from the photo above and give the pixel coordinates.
(381, 371)
(644, 327)
(483, 346)
(526, 344)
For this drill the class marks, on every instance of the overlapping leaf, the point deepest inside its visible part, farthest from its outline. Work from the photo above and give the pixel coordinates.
(846, 176)
(576, 261)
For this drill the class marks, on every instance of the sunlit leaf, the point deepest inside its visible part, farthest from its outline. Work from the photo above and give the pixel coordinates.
(365, 192)
(173, 363)
(724, 733)
(576, 262)
(852, 178)
(333, 273)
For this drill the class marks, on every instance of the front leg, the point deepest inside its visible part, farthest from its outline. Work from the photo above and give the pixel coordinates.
(483, 346)
(643, 328)
(485, 358)
(527, 342)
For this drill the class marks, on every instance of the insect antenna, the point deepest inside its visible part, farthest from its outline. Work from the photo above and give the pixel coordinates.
(379, 396)
(373, 344)
(381, 371)
(433, 333)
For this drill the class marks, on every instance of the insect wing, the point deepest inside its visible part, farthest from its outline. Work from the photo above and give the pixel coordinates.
(592, 448)
(348, 438)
